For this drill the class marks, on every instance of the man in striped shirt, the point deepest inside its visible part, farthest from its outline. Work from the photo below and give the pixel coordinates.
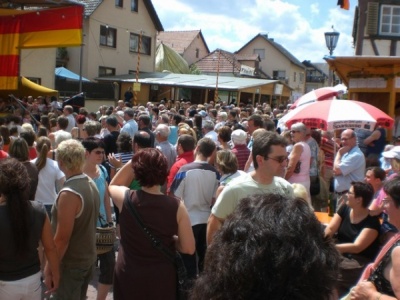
(196, 184)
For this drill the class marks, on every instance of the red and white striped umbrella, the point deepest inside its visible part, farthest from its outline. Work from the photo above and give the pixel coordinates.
(325, 93)
(338, 114)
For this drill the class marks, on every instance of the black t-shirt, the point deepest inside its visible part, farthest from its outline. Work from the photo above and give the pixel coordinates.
(348, 232)
(12, 266)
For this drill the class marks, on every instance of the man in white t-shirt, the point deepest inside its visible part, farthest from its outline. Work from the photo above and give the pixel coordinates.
(68, 113)
(270, 160)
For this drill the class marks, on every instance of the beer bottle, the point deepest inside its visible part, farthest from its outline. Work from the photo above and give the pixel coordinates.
(332, 204)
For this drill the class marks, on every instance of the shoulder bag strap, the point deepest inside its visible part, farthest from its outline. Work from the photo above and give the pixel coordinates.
(154, 241)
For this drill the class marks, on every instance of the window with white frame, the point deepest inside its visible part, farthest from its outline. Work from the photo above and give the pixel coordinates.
(106, 71)
(134, 5)
(390, 20)
(145, 48)
(108, 36)
(119, 3)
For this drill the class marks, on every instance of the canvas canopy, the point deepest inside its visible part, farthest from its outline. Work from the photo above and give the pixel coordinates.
(65, 73)
(29, 88)
(168, 60)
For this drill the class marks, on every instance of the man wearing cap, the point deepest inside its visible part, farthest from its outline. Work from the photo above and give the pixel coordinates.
(239, 139)
(130, 126)
(349, 164)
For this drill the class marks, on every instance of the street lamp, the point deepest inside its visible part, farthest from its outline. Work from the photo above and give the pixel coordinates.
(331, 40)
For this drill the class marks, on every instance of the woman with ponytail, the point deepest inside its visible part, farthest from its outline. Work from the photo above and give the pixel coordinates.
(50, 176)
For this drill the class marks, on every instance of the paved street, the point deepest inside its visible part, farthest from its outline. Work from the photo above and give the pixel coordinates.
(92, 292)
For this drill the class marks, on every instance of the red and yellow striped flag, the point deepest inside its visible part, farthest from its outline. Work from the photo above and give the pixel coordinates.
(345, 4)
(58, 27)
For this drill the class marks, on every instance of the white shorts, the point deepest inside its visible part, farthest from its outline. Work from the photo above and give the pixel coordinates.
(22, 289)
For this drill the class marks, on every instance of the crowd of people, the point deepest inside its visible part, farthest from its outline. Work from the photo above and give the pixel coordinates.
(219, 183)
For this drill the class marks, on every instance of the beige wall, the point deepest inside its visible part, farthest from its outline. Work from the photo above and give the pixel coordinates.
(39, 63)
(190, 53)
(275, 60)
(124, 21)
(383, 47)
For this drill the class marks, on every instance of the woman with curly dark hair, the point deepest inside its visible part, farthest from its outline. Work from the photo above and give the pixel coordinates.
(23, 224)
(143, 271)
(270, 247)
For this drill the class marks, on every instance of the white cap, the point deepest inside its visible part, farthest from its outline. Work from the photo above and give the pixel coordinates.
(392, 153)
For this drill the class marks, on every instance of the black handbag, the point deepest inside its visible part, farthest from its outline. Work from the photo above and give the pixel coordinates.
(315, 187)
(174, 258)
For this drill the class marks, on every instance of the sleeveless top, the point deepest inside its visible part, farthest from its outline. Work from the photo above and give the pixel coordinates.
(381, 283)
(81, 252)
(379, 144)
(12, 266)
(142, 271)
(304, 174)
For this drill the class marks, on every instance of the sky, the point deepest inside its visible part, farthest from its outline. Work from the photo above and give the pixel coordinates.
(298, 25)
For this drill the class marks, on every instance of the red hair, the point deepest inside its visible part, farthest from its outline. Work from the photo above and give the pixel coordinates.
(150, 167)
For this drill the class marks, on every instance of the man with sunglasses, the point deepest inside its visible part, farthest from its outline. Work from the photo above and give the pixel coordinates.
(270, 161)
(349, 165)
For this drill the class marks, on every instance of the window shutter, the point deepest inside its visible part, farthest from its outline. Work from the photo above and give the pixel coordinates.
(355, 24)
(372, 18)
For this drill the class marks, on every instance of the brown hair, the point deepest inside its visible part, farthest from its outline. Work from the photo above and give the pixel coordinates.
(150, 167)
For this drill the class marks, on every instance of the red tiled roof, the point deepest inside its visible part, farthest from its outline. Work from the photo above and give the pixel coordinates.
(228, 63)
(177, 40)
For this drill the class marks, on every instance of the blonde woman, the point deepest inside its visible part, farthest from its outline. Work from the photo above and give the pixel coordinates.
(184, 128)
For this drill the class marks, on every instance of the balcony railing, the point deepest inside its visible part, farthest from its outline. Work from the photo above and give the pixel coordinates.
(315, 78)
